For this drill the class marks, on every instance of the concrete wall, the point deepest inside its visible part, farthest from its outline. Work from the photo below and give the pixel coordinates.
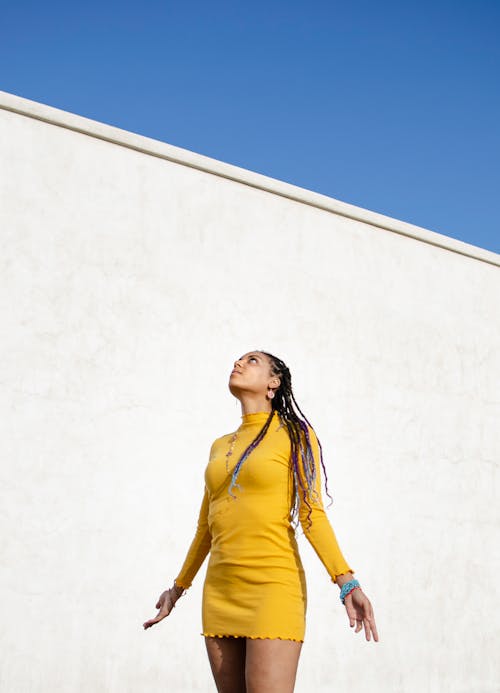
(133, 273)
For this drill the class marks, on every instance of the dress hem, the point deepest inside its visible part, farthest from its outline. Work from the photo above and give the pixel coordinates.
(252, 637)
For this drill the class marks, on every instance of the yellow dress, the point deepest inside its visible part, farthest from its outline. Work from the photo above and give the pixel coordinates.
(255, 584)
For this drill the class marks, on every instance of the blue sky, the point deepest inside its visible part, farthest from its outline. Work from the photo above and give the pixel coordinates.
(391, 106)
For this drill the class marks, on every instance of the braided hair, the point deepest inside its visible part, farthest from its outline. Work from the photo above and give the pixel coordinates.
(301, 458)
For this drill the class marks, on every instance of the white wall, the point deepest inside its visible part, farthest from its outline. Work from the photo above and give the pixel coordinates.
(132, 274)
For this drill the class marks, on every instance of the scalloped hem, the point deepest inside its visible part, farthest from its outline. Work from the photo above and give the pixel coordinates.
(349, 570)
(251, 637)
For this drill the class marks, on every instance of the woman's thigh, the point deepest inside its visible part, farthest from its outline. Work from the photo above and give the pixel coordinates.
(227, 661)
(271, 665)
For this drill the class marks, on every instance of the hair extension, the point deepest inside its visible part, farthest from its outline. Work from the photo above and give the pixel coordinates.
(290, 413)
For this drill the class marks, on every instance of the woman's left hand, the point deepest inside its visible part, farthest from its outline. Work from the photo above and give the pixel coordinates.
(360, 612)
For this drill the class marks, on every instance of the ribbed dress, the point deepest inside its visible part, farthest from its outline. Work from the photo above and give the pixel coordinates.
(255, 584)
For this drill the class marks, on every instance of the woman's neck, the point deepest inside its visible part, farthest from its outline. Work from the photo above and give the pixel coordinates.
(252, 405)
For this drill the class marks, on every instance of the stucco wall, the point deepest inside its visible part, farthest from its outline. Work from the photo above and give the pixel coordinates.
(132, 274)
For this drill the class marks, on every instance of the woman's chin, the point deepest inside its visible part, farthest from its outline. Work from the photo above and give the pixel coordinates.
(233, 389)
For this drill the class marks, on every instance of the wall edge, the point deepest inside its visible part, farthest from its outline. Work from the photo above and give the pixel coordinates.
(184, 157)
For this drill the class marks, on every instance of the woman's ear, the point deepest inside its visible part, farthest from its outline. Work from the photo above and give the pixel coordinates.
(275, 383)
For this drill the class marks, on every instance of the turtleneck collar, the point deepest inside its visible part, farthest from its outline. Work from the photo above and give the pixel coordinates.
(258, 417)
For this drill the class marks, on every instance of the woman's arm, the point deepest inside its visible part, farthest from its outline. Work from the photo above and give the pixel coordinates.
(322, 537)
(200, 546)
(318, 530)
(198, 550)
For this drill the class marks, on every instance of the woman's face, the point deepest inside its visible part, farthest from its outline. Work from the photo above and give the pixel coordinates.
(252, 374)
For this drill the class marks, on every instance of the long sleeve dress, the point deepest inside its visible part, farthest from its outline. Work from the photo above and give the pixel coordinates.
(255, 584)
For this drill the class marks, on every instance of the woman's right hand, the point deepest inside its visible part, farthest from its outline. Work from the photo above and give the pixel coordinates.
(165, 604)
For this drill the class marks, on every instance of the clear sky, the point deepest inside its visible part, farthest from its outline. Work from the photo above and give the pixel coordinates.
(391, 106)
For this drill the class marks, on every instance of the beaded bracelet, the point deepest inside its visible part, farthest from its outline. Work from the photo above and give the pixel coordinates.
(347, 588)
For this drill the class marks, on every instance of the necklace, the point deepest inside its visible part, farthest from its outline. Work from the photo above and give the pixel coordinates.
(230, 451)
(233, 441)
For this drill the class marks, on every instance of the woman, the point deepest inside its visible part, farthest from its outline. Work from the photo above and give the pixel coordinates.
(258, 481)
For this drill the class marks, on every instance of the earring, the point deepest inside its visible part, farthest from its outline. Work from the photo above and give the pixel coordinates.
(270, 394)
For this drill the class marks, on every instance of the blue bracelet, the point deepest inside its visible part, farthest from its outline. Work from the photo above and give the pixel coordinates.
(348, 587)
